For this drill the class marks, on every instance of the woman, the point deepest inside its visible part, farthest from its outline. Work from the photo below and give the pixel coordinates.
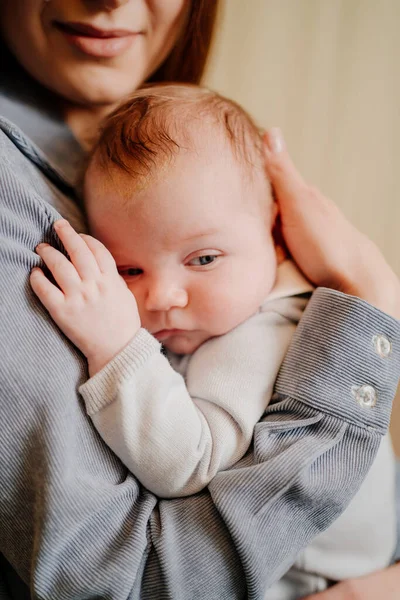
(74, 522)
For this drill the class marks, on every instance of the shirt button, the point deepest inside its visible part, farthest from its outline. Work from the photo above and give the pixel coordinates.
(365, 395)
(382, 345)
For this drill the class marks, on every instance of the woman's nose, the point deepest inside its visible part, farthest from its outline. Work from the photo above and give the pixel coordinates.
(162, 297)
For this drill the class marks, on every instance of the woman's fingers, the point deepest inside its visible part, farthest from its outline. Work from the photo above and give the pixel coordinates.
(285, 179)
(80, 254)
(329, 250)
(49, 295)
(381, 584)
(296, 199)
(311, 224)
(334, 593)
(277, 156)
(60, 267)
(104, 258)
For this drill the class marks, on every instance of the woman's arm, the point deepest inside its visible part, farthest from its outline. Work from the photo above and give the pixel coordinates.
(327, 357)
(75, 523)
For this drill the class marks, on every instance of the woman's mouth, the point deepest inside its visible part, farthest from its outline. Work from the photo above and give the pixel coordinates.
(93, 41)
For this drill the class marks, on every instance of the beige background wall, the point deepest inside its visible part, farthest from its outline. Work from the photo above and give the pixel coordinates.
(328, 73)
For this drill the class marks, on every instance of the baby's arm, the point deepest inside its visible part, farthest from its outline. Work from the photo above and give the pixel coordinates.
(176, 437)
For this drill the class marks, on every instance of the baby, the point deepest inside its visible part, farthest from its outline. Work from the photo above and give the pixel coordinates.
(176, 190)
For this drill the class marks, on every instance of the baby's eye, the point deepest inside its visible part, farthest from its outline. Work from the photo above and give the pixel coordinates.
(202, 261)
(129, 272)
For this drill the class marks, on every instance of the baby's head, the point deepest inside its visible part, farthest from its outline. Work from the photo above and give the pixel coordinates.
(176, 190)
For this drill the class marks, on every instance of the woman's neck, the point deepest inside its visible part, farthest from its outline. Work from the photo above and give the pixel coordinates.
(84, 122)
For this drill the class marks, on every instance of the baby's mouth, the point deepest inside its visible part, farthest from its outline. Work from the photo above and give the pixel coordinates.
(164, 334)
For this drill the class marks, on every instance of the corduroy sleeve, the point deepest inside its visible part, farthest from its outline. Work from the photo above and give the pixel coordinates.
(76, 524)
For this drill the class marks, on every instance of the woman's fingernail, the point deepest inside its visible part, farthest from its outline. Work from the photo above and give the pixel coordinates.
(42, 245)
(275, 140)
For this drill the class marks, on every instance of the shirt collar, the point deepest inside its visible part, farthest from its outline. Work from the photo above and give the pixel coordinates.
(290, 281)
(32, 109)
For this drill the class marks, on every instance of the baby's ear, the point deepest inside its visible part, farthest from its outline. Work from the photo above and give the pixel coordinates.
(274, 212)
(282, 253)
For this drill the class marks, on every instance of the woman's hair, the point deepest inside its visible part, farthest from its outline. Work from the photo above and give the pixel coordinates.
(187, 60)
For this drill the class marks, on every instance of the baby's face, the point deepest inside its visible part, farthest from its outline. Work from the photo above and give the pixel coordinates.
(194, 246)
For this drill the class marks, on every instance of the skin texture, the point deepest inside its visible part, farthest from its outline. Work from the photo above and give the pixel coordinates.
(200, 210)
(382, 584)
(90, 85)
(201, 206)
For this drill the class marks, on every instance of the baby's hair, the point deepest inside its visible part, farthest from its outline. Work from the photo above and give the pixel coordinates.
(156, 121)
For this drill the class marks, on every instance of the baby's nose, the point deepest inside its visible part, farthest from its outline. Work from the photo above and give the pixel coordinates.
(164, 297)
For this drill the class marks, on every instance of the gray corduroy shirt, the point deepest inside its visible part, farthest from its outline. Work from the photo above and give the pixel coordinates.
(75, 524)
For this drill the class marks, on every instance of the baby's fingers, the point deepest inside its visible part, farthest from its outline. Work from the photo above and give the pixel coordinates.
(60, 267)
(104, 258)
(79, 252)
(49, 295)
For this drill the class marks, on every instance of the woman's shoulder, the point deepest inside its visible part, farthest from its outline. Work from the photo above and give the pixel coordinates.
(40, 158)
(30, 187)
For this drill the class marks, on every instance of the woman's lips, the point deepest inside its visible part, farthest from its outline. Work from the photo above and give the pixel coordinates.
(99, 43)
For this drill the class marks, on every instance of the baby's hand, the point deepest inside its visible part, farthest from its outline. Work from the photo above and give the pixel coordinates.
(94, 307)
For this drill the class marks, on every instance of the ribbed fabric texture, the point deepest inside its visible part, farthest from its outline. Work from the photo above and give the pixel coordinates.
(76, 525)
(103, 385)
(331, 313)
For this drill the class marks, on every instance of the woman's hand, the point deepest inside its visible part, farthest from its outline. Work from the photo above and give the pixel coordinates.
(92, 305)
(328, 249)
(382, 584)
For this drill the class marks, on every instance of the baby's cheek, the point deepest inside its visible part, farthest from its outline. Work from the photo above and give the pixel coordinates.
(135, 290)
(224, 311)
(230, 304)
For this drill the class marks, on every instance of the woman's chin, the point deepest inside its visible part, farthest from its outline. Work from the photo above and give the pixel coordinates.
(96, 88)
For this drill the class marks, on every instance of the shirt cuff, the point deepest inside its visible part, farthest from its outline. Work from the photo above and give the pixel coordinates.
(100, 389)
(344, 360)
